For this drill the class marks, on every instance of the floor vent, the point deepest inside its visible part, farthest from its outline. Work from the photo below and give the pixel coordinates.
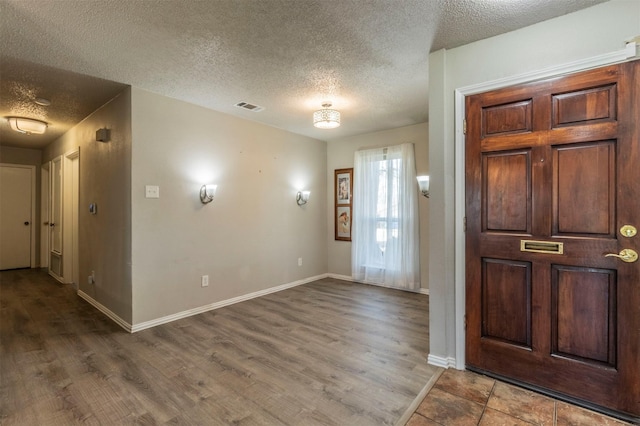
(249, 107)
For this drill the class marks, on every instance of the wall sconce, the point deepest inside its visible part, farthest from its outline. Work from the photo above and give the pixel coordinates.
(207, 192)
(423, 183)
(103, 135)
(302, 197)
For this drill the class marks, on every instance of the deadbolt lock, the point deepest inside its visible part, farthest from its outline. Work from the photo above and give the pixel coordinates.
(628, 231)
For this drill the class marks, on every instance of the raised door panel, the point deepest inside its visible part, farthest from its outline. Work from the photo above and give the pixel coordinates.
(506, 301)
(513, 117)
(584, 314)
(507, 188)
(584, 189)
(586, 106)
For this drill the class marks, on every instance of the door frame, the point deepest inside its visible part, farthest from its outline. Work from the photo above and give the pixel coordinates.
(44, 215)
(459, 178)
(34, 231)
(70, 213)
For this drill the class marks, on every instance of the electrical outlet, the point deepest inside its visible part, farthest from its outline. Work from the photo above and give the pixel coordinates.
(299, 261)
(205, 281)
(152, 191)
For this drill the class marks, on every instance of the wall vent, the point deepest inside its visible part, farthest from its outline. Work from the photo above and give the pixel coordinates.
(249, 107)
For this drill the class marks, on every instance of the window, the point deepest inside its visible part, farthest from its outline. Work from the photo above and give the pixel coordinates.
(385, 238)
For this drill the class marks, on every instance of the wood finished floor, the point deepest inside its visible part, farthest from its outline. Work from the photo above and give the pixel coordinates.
(325, 353)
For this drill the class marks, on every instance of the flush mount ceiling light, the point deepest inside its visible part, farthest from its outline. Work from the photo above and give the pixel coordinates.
(28, 126)
(326, 118)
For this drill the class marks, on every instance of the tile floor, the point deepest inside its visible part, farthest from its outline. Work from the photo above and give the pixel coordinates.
(464, 398)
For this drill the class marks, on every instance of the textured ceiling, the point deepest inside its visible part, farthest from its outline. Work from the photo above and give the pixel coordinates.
(368, 57)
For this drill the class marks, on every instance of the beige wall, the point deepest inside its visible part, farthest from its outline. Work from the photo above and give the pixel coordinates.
(105, 179)
(340, 154)
(594, 31)
(250, 237)
(31, 157)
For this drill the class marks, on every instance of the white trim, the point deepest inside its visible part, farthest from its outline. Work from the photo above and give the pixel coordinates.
(444, 362)
(216, 305)
(69, 212)
(341, 277)
(99, 306)
(402, 421)
(43, 225)
(223, 303)
(350, 279)
(32, 253)
(459, 237)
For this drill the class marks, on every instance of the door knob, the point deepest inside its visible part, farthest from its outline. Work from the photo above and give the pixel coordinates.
(626, 255)
(26, 223)
(52, 224)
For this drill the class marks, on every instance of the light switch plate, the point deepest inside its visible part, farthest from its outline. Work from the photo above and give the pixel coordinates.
(152, 191)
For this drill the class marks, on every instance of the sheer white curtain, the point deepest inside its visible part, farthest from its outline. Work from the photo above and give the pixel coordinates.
(385, 232)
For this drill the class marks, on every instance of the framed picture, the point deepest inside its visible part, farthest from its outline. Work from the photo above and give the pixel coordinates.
(343, 203)
(343, 223)
(344, 186)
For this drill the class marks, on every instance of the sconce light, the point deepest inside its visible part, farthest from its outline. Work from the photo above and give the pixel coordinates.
(302, 197)
(103, 135)
(207, 192)
(423, 183)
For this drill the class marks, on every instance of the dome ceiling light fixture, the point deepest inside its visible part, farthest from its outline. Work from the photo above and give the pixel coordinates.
(27, 126)
(326, 118)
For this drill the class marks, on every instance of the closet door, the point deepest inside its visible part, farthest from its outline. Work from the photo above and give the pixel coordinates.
(16, 223)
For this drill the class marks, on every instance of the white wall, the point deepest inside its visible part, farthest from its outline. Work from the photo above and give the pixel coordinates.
(594, 31)
(250, 237)
(340, 155)
(104, 239)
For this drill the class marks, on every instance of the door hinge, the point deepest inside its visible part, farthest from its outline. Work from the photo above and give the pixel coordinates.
(465, 323)
(464, 224)
(464, 126)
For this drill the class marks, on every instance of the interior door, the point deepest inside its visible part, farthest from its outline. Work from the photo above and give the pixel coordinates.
(552, 201)
(15, 216)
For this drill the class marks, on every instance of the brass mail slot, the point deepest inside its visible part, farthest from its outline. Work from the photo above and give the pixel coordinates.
(541, 247)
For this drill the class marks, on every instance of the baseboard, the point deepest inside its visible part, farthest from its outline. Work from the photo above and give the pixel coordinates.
(209, 307)
(223, 303)
(349, 278)
(444, 362)
(99, 306)
(341, 277)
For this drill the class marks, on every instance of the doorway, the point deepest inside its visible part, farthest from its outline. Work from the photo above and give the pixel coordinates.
(551, 190)
(17, 212)
(63, 204)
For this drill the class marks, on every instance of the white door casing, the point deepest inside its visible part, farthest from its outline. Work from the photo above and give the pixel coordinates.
(55, 219)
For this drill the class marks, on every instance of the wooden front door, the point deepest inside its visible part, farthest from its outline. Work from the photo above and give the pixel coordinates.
(552, 187)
